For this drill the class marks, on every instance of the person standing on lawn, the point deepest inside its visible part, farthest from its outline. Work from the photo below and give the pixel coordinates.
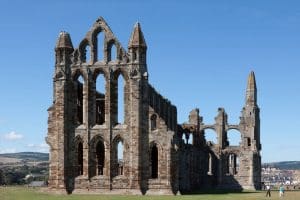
(281, 191)
(268, 188)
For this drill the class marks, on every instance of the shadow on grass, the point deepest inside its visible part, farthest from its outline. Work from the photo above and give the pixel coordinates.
(219, 191)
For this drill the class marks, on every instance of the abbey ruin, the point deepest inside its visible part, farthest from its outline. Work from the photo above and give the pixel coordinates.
(146, 152)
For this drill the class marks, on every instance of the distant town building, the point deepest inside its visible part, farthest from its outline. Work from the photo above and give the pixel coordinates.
(37, 184)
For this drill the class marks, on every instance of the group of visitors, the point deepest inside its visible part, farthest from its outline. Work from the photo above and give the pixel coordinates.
(281, 191)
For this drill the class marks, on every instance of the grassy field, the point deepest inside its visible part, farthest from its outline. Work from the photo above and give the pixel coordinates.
(23, 193)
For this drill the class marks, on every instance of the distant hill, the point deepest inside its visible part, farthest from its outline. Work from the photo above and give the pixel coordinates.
(36, 156)
(284, 165)
(27, 156)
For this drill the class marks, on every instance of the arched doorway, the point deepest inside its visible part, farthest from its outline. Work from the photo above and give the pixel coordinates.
(154, 162)
(100, 157)
(80, 159)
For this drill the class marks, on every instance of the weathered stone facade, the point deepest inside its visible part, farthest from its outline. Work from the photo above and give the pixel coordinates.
(84, 130)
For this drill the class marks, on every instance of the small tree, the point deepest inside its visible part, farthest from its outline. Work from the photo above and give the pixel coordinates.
(1, 178)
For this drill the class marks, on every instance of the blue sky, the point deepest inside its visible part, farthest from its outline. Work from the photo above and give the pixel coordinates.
(199, 55)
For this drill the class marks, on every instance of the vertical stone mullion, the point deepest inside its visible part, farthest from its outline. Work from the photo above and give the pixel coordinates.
(108, 122)
(90, 103)
(86, 124)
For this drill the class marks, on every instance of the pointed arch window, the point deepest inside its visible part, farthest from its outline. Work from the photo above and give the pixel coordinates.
(120, 153)
(233, 164)
(79, 85)
(111, 52)
(134, 56)
(118, 157)
(100, 99)
(121, 90)
(248, 142)
(100, 46)
(100, 157)
(85, 52)
(153, 122)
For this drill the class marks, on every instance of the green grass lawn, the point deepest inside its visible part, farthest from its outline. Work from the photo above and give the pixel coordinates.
(23, 193)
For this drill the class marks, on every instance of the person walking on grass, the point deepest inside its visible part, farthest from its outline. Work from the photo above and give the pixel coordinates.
(281, 191)
(268, 188)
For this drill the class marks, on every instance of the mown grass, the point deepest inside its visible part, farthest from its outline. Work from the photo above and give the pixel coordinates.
(23, 193)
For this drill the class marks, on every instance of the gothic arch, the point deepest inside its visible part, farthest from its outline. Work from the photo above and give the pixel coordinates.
(211, 168)
(159, 146)
(121, 71)
(153, 122)
(100, 95)
(234, 137)
(119, 96)
(94, 34)
(109, 47)
(79, 164)
(155, 152)
(100, 26)
(85, 43)
(76, 73)
(154, 162)
(75, 56)
(98, 156)
(212, 130)
(204, 127)
(94, 40)
(78, 139)
(79, 98)
(117, 165)
(98, 71)
(233, 127)
(232, 164)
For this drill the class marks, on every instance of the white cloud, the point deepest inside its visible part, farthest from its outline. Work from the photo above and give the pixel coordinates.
(8, 150)
(13, 136)
(43, 147)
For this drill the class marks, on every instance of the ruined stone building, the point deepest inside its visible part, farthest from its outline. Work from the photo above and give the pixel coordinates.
(92, 149)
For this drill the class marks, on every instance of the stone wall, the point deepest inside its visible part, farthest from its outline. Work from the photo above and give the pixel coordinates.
(84, 129)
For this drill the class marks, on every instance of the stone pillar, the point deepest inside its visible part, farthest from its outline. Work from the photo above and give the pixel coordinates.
(135, 122)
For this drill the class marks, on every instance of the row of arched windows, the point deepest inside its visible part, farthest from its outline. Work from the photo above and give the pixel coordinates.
(232, 164)
(100, 97)
(98, 163)
(100, 51)
(98, 158)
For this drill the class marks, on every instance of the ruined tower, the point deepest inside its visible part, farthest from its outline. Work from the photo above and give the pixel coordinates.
(99, 145)
(221, 165)
(250, 127)
(91, 146)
